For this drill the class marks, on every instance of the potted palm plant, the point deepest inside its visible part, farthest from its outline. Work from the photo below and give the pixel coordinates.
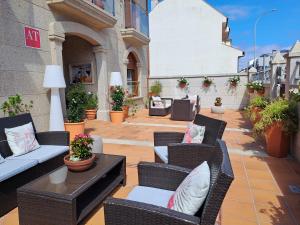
(81, 157)
(117, 96)
(76, 99)
(156, 88)
(91, 106)
(278, 119)
(182, 82)
(207, 82)
(14, 106)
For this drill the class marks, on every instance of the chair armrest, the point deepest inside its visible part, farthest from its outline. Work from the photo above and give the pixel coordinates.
(53, 138)
(189, 155)
(126, 212)
(165, 138)
(161, 176)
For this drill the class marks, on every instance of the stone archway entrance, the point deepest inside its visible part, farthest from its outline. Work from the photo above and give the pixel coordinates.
(59, 32)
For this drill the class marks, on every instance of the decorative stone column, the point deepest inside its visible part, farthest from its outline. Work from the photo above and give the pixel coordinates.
(103, 83)
(278, 64)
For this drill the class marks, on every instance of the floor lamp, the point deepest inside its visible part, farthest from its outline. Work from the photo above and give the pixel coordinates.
(54, 79)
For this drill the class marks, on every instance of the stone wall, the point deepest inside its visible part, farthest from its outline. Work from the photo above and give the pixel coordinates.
(233, 98)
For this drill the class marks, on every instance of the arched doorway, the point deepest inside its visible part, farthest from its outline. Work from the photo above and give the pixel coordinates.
(132, 76)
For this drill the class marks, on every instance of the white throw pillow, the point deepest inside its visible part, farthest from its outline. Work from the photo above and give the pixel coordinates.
(192, 192)
(2, 160)
(194, 134)
(21, 140)
(156, 98)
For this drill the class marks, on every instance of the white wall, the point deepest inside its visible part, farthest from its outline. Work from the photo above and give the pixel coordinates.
(186, 39)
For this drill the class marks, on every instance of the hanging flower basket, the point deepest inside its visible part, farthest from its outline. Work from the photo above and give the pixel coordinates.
(182, 82)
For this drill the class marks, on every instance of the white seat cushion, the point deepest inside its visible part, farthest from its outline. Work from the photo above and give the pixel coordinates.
(1, 159)
(10, 168)
(149, 195)
(162, 152)
(44, 153)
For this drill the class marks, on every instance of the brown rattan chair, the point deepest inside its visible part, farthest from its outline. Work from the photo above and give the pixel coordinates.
(168, 146)
(168, 178)
(161, 111)
(184, 109)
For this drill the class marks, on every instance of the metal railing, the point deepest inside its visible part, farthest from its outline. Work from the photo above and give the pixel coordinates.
(107, 5)
(133, 88)
(138, 19)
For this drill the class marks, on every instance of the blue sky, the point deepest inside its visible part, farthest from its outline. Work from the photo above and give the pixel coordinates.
(277, 30)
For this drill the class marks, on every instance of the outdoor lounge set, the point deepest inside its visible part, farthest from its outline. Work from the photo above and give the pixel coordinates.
(186, 185)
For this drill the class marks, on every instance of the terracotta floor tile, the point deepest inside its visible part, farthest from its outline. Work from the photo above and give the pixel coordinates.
(259, 174)
(245, 211)
(267, 185)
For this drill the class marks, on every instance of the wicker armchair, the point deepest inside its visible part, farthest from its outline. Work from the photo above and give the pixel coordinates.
(168, 146)
(184, 109)
(162, 177)
(160, 111)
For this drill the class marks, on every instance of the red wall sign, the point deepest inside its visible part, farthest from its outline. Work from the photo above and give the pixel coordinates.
(32, 37)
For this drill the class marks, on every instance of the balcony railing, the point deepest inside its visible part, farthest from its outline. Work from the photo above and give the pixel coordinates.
(137, 18)
(107, 5)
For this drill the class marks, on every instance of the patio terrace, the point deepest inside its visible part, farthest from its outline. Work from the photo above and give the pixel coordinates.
(259, 195)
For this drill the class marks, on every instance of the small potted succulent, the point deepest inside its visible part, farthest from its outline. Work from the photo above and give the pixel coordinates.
(234, 81)
(117, 97)
(182, 82)
(14, 106)
(218, 101)
(81, 157)
(250, 87)
(218, 108)
(258, 86)
(207, 82)
(156, 88)
(91, 106)
(76, 99)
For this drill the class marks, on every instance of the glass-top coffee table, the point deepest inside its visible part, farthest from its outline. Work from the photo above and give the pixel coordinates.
(63, 197)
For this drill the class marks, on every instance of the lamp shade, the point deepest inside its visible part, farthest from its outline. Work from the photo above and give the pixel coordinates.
(116, 79)
(54, 77)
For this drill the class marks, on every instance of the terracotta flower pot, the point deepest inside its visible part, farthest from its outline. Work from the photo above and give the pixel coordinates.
(126, 111)
(256, 111)
(117, 117)
(74, 129)
(261, 92)
(251, 90)
(90, 114)
(79, 165)
(182, 85)
(278, 142)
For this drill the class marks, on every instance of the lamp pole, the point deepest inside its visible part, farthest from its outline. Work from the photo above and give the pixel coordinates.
(255, 25)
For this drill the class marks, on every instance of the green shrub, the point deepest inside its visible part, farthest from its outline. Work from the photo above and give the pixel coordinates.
(156, 88)
(76, 103)
(15, 106)
(259, 101)
(81, 147)
(92, 101)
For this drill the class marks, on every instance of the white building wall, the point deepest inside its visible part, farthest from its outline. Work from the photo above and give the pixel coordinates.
(186, 39)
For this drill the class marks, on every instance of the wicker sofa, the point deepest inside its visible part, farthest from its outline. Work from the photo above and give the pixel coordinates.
(185, 109)
(160, 111)
(16, 171)
(168, 146)
(146, 204)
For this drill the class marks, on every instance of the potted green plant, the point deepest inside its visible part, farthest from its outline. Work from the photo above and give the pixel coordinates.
(278, 119)
(156, 88)
(182, 82)
(207, 82)
(129, 104)
(234, 81)
(14, 106)
(117, 97)
(81, 157)
(258, 86)
(256, 105)
(76, 99)
(218, 101)
(250, 87)
(91, 106)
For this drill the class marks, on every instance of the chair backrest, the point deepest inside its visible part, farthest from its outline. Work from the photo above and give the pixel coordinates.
(9, 122)
(221, 179)
(214, 128)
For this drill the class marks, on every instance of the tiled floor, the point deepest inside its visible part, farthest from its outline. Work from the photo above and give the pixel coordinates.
(258, 195)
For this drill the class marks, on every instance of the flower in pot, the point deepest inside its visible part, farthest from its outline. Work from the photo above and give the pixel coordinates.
(258, 86)
(91, 106)
(218, 101)
(234, 81)
(250, 87)
(81, 157)
(256, 106)
(76, 99)
(182, 82)
(156, 88)
(117, 97)
(207, 82)
(278, 119)
(14, 106)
